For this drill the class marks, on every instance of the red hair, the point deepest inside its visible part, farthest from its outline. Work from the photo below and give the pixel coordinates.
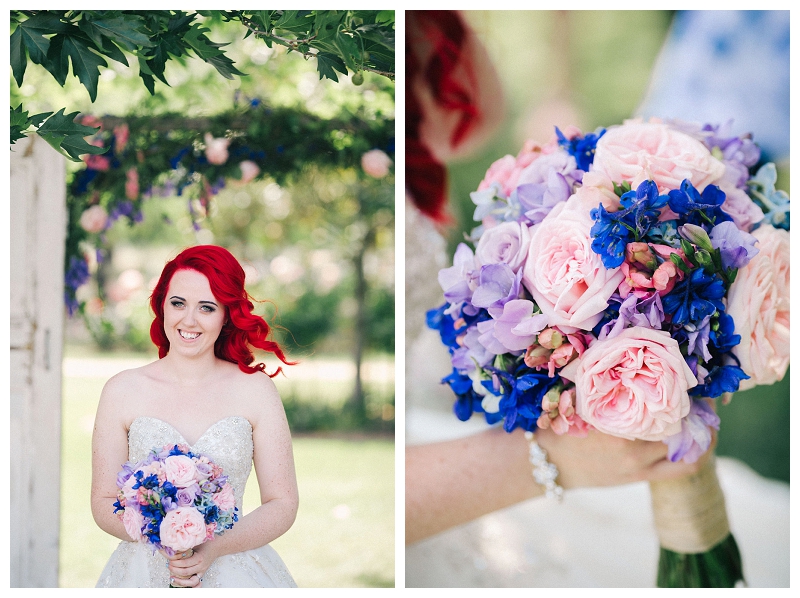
(243, 328)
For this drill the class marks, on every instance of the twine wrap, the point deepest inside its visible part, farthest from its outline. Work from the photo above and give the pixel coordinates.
(689, 512)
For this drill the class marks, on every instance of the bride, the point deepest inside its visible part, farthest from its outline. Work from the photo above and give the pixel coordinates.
(205, 392)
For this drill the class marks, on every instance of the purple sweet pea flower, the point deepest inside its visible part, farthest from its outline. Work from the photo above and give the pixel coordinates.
(698, 339)
(471, 353)
(169, 504)
(695, 436)
(538, 199)
(497, 285)
(457, 281)
(646, 313)
(514, 329)
(736, 246)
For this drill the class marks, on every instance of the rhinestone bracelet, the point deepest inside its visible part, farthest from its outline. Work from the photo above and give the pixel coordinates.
(544, 472)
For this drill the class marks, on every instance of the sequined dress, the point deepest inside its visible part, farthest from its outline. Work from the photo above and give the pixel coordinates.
(229, 443)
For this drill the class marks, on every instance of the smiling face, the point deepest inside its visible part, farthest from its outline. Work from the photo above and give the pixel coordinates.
(193, 317)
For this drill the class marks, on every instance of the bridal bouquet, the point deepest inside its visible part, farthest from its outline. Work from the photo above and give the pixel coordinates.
(174, 499)
(620, 281)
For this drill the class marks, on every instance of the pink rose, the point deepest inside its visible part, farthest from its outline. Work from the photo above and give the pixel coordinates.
(216, 149)
(180, 470)
(506, 243)
(250, 170)
(183, 528)
(758, 302)
(121, 135)
(132, 183)
(225, 498)
(566, 278)
(634, 385)
(743, 210)
(376, 163)
(133, 522)
(637, 151)
(94, 219)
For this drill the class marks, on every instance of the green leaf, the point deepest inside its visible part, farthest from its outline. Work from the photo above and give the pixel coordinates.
(67, 137)
(385, 16)
(328, 64)
(125, 29)
(57, 59)
(85, 64)
(19, 60)
(676, 259)
(210, 52)
(20, 122)
(348, 49)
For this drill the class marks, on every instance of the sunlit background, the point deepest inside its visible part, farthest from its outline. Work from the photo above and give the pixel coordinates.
(303, 245)
(592, 69)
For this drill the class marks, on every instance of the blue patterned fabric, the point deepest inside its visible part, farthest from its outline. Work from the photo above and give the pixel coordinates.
(717, 65)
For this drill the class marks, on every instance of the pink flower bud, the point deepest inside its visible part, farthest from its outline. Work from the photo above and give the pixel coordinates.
(640, 253)
(536, 356)
(550, 338)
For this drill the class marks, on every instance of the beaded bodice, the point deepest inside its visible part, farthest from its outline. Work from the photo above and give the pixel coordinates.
(228, 443)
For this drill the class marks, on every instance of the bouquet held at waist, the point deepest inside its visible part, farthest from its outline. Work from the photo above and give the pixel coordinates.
(175, 499)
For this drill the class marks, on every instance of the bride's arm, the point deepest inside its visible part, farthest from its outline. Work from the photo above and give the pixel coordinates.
(274, 466)
(109, 453)
(453, 482)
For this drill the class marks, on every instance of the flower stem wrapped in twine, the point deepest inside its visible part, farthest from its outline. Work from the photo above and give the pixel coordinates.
(697, 547)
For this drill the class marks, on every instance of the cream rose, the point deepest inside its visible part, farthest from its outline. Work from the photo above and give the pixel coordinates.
(182, 528)
(506, 243)
(634, 385)
(180, 470)
(566, 278)
(758, 302)
(637, 151)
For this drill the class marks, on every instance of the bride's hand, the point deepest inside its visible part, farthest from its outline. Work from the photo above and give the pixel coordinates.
(603, 460)
(187, 569)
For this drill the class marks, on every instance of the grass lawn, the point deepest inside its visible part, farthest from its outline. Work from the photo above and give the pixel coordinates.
(344, 533)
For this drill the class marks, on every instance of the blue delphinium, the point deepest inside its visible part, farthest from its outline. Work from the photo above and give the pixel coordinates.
(467, 400)
(697, 296)
(720, 379)
(581, 148)
(698, 208)
(522, 393)
(612, 231)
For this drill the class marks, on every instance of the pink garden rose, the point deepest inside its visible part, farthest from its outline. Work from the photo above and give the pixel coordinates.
(183, 528)
(180, 470)
(637, 151)
(216, 149)
(506, 243)
(133, 522)
(94, 219)
(758, 302)
(225, 498)
(250, 170)
(376, 163)
(634, 385)
(566, 278)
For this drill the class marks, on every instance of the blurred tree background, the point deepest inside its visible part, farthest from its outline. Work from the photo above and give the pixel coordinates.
(592, 69)
(314, 231)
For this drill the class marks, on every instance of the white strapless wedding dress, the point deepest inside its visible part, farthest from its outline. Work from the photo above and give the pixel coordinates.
(229, 443)
(597, 537)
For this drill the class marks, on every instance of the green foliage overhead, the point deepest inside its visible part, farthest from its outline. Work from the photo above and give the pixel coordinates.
(87, 40)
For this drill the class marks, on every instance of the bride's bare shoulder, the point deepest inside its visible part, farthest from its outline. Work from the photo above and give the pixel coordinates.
(123, 384)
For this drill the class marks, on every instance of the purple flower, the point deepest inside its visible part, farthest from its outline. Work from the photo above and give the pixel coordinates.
(736, 246)
(186, 496)
(456, 280)
(645, 313)
(698, 338)
(695, 436)
(497, 285)
(538, 199)
(472, 353)
(513, 330)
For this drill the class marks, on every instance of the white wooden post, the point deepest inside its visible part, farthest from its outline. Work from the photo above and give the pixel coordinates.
(38, 229)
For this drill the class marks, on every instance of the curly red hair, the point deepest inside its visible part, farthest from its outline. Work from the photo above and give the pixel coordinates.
(243, 328)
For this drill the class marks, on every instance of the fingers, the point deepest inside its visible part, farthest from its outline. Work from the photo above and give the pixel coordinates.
(193, 581)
